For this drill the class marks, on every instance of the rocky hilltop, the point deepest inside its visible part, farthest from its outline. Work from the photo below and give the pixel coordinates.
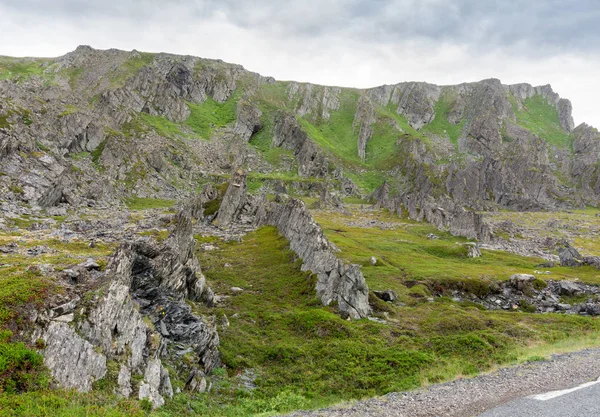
(173, 227)
(97, 126)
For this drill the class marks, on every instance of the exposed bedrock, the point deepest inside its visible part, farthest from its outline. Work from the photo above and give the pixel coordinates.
(312, 162)
(135, 321)
(337, 282)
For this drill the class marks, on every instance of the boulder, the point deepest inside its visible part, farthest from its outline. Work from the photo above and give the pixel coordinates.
(569, 256)
(387, 295)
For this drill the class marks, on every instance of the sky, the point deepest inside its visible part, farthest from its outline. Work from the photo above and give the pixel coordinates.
(350, 43)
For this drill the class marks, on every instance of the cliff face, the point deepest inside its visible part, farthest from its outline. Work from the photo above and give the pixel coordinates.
(96, 126)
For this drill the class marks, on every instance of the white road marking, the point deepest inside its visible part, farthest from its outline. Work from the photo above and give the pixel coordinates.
(553, 394)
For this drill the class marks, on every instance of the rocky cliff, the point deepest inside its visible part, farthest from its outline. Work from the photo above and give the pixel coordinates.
(93, 126)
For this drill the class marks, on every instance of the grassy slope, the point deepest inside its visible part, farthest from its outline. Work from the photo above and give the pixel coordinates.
(541, 119)
(292, 343)
(303, 354)
(441, 260)
(440, 126)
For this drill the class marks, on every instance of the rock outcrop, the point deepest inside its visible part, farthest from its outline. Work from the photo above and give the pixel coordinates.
(531, 294)
(136, 320)
(337, 282)
(290, 135)
(363, 120)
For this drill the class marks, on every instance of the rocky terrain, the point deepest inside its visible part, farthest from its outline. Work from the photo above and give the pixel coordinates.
(206, 240)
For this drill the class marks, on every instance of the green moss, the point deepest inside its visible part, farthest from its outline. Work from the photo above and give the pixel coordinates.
(4, 123)
(159, 124)
(440, 125)
(97, 153)
(79, 155)
(69, 109)
(541, 119)
(139, 203)
(209, 115)
(130, 68)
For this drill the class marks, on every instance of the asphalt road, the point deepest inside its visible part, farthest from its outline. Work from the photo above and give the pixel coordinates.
(580, 401)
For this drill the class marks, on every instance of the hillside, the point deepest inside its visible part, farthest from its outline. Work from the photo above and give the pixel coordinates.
(105, 125)
(180, 236)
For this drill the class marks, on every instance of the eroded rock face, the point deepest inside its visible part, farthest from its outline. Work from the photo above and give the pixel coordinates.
(290, 135)
(316, 102)
(363, 120)
(73, 361)
(234, 199)
(337, 282)
(248, 119)
(139, 318)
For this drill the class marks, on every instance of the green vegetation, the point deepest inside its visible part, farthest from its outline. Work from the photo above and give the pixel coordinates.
(73, 74)
(337, 135)
(440, 125)
(20, 69)
(209, 115)
(69, 109)
(4, 123)
(541, 118)
(160, 125)
(440, 263)
(139, 203)
(130, 68)
(280, 331)
(59, 403)
(97, 153)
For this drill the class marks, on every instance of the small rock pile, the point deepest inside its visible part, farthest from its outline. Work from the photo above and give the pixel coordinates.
(531, 294)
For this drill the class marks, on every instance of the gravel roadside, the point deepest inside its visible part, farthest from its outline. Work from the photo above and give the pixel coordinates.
(470, 397)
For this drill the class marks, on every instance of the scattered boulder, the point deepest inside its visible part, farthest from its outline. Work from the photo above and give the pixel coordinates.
(569, 256)
(473, 250)
(387, 295)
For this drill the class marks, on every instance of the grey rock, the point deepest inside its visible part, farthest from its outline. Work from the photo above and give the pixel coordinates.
(387, 295)
(337, 281)
(290, 135)
(473, 250)
(89, 264)
(124, 381)
(364, 119)
(569, 256)
(62, 346)
(156, 384)
(248, 119)
(234, 199)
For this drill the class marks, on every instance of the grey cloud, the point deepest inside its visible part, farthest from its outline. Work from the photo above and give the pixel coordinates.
(528, 26)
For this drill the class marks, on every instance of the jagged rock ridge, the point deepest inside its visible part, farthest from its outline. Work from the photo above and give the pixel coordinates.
(136, 320)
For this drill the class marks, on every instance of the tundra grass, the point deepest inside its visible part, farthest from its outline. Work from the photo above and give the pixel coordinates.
(209, 115)
(541, 118)
(140, 203)
(442, 260)
(280, 332)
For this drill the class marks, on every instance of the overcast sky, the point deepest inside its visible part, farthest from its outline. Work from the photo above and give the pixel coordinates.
(359, 43)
